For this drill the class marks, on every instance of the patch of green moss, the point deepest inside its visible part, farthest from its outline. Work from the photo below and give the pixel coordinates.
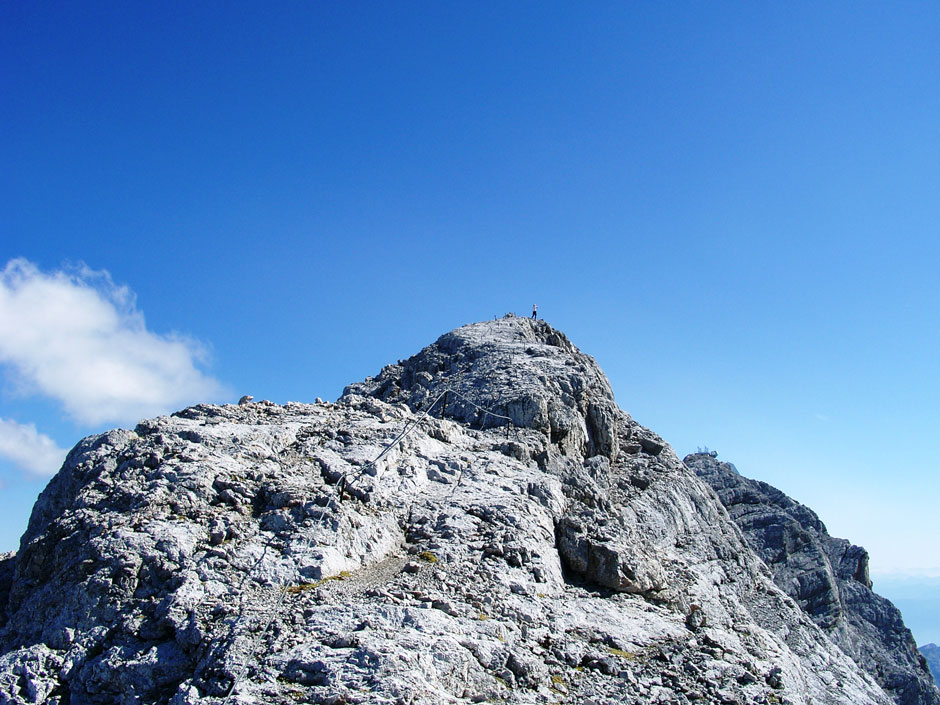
(303, 587)
(427, 556)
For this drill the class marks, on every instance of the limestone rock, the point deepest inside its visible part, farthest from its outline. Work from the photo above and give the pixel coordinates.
(828, 578)
(299, 553)
(512, 370)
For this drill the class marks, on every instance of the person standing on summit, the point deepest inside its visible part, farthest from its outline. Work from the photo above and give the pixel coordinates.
(535, 311)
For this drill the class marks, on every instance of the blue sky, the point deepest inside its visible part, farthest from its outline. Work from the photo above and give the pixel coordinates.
(732, 206)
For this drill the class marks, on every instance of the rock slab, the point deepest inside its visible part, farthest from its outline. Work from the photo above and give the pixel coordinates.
(827, 577)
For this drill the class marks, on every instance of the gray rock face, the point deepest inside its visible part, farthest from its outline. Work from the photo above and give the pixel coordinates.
(828, 578)
(359, 552)
(7, 565)
(514, 367)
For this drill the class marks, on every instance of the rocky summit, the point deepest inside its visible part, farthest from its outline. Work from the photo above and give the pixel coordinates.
(478, 523)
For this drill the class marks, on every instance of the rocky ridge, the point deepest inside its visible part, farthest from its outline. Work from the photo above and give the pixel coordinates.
(533, 545)
(828, 578)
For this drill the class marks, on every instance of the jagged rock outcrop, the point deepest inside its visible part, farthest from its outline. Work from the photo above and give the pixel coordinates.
(362, 552)
(527, 372)
(828, 578)
(7, 564)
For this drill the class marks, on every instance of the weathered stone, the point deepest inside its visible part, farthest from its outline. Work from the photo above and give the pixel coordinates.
(695, 619)
(626, 566)
(284, 554)
(510, 371)
(828, 578)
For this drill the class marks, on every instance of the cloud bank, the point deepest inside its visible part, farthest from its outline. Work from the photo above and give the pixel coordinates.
(77, 338)
(33, 451)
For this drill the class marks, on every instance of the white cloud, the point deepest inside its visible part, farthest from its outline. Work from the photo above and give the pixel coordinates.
(79, 339)
(25, 446)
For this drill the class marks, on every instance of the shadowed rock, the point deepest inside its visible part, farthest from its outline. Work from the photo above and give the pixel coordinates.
(828, 577)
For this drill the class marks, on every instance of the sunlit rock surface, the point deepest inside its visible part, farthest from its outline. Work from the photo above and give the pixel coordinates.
(535, 545)
(828, 578)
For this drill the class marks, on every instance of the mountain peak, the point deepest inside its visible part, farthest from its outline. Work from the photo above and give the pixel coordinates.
(534, 544)
(509, 370)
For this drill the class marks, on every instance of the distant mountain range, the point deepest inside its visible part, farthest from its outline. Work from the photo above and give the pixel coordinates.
(931, 652)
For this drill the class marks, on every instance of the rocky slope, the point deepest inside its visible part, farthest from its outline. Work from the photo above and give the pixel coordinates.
(534, 545)
(828, 578)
